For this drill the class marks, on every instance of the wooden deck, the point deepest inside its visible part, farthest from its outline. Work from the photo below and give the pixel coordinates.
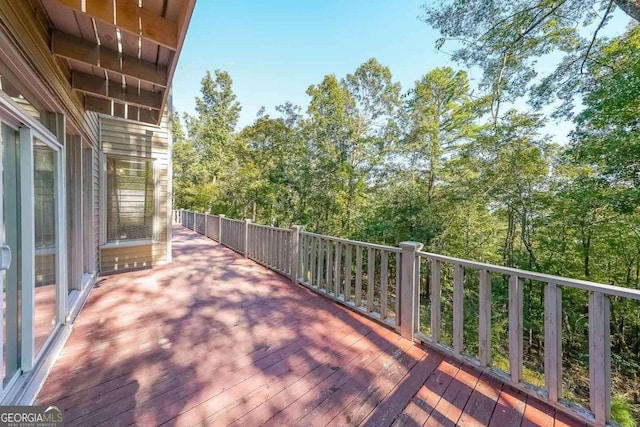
(215, 339)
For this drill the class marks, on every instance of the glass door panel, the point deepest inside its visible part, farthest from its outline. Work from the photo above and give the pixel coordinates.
(10, 236)
(46, 239)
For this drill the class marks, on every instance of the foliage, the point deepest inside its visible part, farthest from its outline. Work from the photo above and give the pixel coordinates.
(507, 38)
(622, 412)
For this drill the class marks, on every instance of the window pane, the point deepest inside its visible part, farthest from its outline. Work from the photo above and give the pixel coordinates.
(44, 181)
(10, 229)
(129, 199)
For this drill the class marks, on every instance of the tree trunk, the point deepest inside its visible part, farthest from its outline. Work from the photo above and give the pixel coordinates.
(630, 7)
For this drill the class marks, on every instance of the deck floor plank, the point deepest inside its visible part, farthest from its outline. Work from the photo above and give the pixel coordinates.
(213, 338)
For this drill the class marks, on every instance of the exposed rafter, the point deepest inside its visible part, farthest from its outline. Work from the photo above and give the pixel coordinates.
(128, 16)
(117, 109)
(102, 87)
(77, 49)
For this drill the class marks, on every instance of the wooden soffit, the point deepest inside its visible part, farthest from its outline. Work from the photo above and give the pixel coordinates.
(121, 54)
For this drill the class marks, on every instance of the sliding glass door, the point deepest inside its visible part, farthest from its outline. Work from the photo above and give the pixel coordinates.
(32, 243)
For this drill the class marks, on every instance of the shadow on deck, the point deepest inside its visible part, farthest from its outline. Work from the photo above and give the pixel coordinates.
(216, 339)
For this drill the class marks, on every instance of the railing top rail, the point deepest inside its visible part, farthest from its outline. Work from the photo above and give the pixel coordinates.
(542, 277)
(224, 218)
(353, 242)
(252, 224)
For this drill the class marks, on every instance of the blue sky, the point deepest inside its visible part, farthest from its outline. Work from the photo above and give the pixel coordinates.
(275, 49)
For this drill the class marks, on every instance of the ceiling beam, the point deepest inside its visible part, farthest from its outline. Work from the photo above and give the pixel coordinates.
(100, 86)
(129, 17)
(77, 49)
(186, 12)
(117, 109)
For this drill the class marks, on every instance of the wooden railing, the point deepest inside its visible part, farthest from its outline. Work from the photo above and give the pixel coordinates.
(362, 275)
(386, 283)
(176, 217)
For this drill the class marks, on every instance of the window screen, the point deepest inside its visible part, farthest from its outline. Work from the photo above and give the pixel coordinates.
(129, 199)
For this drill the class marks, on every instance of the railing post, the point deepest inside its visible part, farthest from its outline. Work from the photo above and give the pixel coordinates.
(246, 237)
(553, 341)
(220, 218)
(206, 223)
(599, 357)
(408, 289)
(295, 252)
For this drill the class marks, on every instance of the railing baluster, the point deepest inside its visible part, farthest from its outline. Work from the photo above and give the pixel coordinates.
(398, 279)
(458, 307)
(278, 243)
(264, 248)
(320, 261)
(267, 245)
(329, 266)
(384, 285)
(358, 300)
(553, 341)
(347, 273)
(515, 328)
(294, 258)
(599, 357)
(484, 328)
(274, 248)
(221, 228)
(336, 269)
(312, 263)
(304, 248)
(286, 252)
(435, 296)
(246, 237)
(371, 279)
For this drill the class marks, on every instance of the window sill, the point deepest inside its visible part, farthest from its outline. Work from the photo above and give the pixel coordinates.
(127, 243)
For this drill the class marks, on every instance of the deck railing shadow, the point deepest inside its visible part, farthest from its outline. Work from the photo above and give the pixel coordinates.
(387, 283)
(215, 344)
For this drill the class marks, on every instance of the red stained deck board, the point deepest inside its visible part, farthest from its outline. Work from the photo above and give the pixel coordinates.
(364, 404)
(393, 405)
(261, 409)
(449, 409)
(354, 387)
(537, 414)
(509, 409)
(167, 401)
(419, 409)
(214, 338)
(322, 357)
(481, 403)
(360, 367)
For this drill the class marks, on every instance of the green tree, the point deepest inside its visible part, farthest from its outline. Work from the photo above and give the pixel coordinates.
(506, 38)
(211, 132)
